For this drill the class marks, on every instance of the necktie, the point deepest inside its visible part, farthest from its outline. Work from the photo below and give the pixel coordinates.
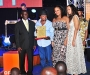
(27, 25)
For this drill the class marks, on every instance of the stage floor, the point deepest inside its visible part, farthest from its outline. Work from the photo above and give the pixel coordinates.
(37, 69)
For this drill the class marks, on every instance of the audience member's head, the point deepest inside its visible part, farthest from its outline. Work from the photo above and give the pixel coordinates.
(15, 71)
(61, 68)
(49, 71)
(2, 73)
(23, 6)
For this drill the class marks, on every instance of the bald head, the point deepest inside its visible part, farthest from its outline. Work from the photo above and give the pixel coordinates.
(61, 68)
(49, 71)
(15, 71)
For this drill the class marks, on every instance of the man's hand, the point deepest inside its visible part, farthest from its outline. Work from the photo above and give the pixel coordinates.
(52, 43)
(73, 43)
(34, 47)
(47, 38)
(19, 49)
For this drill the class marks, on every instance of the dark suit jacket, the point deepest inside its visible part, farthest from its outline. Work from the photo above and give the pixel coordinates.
(25, 39)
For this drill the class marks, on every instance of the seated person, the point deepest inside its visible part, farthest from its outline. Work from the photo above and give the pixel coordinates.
(61, 68)
(49, 71)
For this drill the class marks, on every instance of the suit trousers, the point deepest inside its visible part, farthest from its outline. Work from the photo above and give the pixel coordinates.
(45, 56)
(22, 54)
(88, 54)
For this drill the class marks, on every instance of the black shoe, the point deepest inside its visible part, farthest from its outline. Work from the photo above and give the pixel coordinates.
(88, 60)
(23, 73)
(29, 73)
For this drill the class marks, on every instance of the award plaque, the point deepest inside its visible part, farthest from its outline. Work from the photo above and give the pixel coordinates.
(41, 32)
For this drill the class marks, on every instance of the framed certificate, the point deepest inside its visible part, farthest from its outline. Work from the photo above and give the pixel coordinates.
(41, 32)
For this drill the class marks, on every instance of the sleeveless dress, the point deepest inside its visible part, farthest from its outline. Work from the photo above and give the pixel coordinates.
(59, 50)
(75, 55)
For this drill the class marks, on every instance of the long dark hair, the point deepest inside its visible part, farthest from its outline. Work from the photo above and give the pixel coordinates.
(74, 11)
(63, 12)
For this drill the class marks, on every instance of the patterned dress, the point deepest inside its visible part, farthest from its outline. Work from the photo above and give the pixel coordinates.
(59, 50)
(75, 55)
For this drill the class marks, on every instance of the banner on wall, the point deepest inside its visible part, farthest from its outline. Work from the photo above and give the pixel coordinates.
(17, 3)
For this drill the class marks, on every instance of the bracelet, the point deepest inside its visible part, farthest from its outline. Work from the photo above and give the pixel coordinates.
(85, 40)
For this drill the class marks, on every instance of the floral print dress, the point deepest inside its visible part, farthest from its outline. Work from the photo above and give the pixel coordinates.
(59, 50)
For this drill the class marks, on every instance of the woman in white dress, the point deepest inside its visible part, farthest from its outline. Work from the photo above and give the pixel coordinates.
(75, 55)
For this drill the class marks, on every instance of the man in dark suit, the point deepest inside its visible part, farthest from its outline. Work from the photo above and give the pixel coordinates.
(25, 41)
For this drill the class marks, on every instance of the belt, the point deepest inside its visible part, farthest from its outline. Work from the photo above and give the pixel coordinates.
(60, 28)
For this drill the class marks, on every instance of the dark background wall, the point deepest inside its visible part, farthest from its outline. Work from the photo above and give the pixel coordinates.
(11, 14)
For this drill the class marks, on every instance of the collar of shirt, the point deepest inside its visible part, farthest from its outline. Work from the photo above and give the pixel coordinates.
(45, 22)
(25, 20)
